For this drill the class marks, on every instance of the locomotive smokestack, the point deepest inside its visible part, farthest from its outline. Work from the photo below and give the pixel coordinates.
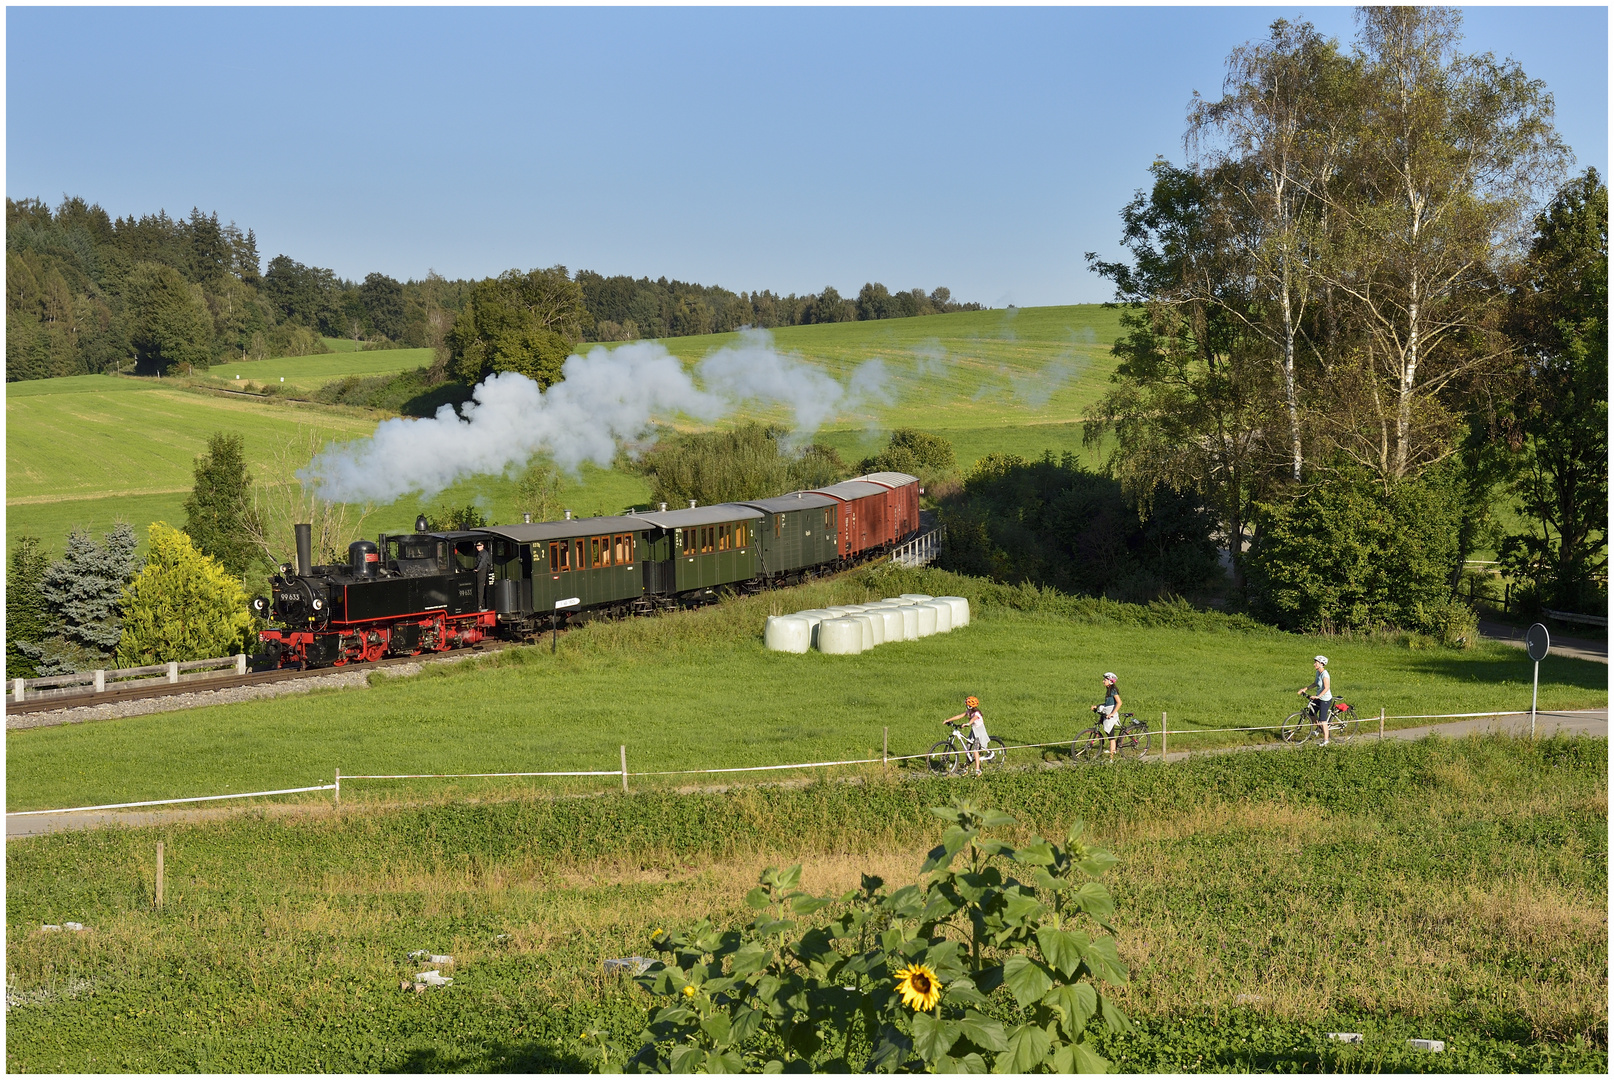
(305, 549)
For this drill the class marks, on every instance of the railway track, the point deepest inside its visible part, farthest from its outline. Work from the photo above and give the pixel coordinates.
(203, 684)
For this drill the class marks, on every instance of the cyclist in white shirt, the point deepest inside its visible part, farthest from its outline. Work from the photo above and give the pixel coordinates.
(1323, 696)
(1110, 711)
(977, 738)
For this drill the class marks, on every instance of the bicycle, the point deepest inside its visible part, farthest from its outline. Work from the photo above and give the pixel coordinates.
(952, 754)
(1301, 727)
(1131, 737)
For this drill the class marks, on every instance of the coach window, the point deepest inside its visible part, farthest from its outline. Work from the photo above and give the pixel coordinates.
(708, 540)
(557, 558)
(578, 554)
(828, 521)
(594, 551)
(778, 525)
(723, 537)
(739, 535)
(687, 540)
(624, 549)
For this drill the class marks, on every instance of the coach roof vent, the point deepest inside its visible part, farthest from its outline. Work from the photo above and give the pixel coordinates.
(568, 515)
(663, 508)
(692, 504)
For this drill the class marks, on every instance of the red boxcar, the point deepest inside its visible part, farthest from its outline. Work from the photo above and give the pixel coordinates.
(876, 511)
(902, 503)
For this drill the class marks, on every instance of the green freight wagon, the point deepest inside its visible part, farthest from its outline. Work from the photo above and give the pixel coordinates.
(797, 536)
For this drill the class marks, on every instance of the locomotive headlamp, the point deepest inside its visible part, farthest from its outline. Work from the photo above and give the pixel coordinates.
(319, 604)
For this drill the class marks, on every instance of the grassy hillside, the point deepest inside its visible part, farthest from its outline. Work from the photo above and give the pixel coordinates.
(86, 451)
(698, 690)
(1443, 889)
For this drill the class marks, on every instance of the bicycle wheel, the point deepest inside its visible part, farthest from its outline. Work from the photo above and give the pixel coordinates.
(993, 756)
(1134, 741)
(1343, 727)
(1088, 746)
(1297, 727)
(943, 758)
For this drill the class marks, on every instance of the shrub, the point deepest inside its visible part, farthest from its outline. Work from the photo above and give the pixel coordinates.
(182, 606)
(901, 980)
(1351, 554)
(918, 453)
(748, 462)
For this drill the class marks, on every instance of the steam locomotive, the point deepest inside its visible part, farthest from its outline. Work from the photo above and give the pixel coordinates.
(420, 592)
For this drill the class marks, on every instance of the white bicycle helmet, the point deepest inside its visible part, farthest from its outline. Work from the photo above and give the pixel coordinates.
(1323, 660)
(1109, 676)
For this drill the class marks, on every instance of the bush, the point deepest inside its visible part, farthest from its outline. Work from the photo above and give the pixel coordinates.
(917, 453)
(182, 606)
(1051, 522)
(899, 981)
(748, 462)
(1352, 555)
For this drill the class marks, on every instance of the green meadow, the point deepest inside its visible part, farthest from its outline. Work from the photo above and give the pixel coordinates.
(1445, 889)
(697, 690)
(90, 450)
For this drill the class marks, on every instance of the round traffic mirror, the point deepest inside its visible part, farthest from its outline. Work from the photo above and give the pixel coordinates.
(1536, 642)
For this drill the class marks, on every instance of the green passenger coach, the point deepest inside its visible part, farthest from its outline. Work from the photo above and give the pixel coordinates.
(544, 570)
(696, 551)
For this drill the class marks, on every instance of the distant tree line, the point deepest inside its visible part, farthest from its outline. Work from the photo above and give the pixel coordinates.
(88, 293)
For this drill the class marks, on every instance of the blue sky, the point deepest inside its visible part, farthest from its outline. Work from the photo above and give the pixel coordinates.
(981, 149)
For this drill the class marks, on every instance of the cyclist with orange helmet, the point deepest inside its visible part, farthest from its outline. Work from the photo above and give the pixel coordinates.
(1110, 711)
(972, 717)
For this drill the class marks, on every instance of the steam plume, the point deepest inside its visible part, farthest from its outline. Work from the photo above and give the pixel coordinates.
(609, 397)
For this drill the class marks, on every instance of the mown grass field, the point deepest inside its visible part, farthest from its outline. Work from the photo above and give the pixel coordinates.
(698, 690)
(1451, 889)
(90, 450)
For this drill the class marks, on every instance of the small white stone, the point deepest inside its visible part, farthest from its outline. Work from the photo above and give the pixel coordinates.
(1345, 1036)
(1434, 1046)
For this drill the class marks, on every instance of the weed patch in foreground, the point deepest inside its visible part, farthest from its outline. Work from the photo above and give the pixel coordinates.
(1451, 889)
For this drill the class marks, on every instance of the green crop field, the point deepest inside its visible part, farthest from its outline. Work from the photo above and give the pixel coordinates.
(1448, 889)
(697, 690)
(309, 373)
(1013, 381)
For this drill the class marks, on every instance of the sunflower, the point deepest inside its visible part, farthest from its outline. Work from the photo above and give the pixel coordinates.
(920, 990)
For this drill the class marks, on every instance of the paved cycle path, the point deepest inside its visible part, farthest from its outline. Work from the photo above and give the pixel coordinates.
(1594, 724)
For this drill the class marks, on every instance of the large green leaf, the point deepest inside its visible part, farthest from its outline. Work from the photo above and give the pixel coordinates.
(969, 1063)
(1021, 908)
(1105, 961)
(905, 903)
(1037, 853)
(1076, 1003)
(1028, 1046)
(983, 1031)
(996, 819)
(1114, 1018)
(757, 898)
(747, 1022)
(806, 905)
(790, 878)
(1094, 899)
(1096, 863)
(1026, 979)
(726, 1061)
(687, 1058)
(939, 905)
(717, 1027)
(1087, 1061)
(966, 992)
(751, 958)
(891, 1049)
(815, 946)
(933, 1036)
(1061, 949)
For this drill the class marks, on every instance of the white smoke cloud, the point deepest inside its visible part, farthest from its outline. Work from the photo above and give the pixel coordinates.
(607, 398)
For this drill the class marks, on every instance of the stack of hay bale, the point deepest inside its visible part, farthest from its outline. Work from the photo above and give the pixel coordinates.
(854, 628)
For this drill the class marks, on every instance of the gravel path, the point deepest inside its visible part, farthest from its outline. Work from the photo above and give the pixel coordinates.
(340, 680)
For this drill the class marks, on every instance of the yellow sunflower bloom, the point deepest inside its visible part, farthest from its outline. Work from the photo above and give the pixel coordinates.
(689, 991)
(919, 987)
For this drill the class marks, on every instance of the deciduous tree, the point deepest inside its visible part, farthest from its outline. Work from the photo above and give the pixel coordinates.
(183, 605)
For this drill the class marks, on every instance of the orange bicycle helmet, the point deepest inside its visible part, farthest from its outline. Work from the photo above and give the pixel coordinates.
(972, 702)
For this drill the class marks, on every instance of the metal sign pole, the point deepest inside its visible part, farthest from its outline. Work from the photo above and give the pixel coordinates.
(1536, 641)
(1535, 685)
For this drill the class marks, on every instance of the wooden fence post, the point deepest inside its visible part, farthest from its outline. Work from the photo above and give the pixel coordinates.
(159, 875)
(885, 747)
(1162, 736)
(336, 796)
(624, 770)
(1381, 722)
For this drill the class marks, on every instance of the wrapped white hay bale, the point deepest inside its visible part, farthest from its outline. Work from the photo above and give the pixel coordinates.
(840, 637)
(917, 597)
(899, 601)
(788, 633)
(890, 620)
(910, 622)
(870, 639)
(944, 615)
(961, 609)
(876, 625)
(925, 620)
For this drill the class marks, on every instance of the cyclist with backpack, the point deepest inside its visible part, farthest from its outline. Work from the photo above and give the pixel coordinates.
(972, 718)
(1323, 696)
(1110, 711)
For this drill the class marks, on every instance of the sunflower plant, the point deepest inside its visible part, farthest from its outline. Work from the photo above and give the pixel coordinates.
(987, 963)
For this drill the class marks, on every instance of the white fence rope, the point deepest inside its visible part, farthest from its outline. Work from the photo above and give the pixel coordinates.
(743, 768)
(166, 802)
